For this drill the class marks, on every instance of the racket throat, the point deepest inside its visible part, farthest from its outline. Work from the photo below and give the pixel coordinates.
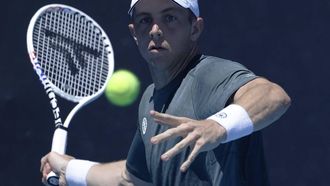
(61, 127)
(50, 93)
(59, 140)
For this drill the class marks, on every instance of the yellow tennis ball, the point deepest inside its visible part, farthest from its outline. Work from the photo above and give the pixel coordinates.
(123, 88)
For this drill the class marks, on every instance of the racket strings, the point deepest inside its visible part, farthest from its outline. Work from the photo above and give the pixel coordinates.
(72, 52)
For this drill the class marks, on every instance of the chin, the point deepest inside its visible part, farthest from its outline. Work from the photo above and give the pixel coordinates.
(158, 62)
(157, 55)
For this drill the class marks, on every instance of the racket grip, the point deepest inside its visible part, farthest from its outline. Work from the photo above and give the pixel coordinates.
(52, 179)
(59, 141)
(59, 146)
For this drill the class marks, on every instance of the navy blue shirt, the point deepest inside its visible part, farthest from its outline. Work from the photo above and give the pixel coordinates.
(205, 87)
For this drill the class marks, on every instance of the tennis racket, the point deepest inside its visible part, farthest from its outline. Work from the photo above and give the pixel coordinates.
(73, 58)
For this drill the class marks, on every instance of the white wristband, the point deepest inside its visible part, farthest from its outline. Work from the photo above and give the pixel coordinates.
(235, 120)
(76, 172)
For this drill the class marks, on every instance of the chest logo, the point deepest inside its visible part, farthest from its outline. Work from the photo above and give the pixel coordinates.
(144, 125)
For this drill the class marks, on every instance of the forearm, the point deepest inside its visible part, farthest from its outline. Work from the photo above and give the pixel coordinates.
(264, 101)
(112, 174)
(106, 174)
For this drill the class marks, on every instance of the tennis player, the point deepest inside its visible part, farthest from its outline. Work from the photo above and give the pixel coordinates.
(200, 120)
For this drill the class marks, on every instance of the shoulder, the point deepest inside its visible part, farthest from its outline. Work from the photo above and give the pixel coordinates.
(213, 81)
(214, 70)
(219, 66)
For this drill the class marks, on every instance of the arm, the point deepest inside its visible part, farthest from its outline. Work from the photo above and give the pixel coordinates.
(263, 101)
(111, 174)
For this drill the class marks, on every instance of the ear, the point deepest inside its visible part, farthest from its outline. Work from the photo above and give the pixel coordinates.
(133, 34)
(197, 28)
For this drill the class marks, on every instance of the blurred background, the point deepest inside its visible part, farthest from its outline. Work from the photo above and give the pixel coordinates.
(285, 41)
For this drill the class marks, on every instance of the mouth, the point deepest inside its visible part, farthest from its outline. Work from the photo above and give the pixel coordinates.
(156, 48)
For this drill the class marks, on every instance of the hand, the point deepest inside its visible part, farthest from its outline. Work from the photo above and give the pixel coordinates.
(56, 163)
(203, 135)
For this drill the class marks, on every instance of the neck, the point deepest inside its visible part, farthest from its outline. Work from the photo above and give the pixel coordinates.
(162, 77)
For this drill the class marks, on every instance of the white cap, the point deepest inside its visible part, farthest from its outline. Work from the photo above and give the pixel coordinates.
(191, 4)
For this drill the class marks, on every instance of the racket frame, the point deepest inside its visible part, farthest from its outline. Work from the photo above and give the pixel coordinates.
(60, 133)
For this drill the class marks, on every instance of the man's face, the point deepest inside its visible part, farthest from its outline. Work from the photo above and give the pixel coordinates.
(163, 32)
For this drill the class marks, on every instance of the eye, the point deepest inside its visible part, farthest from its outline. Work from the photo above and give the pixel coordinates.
(145, 20)
(170, 18)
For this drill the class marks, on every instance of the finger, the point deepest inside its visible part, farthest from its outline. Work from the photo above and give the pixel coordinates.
(192, 156)
(62, 181)
(43, 162)
(46, 169)
(45, 172)
(181, 130)
(190, 139)
(168, 119)
(43, 180)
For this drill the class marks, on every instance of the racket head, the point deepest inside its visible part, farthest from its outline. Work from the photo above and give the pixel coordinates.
(70, 51)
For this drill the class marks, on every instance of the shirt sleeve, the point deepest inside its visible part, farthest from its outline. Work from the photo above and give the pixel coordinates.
(136, 160)
(215, 83)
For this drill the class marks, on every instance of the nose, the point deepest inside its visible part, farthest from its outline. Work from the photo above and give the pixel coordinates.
(155, 32)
